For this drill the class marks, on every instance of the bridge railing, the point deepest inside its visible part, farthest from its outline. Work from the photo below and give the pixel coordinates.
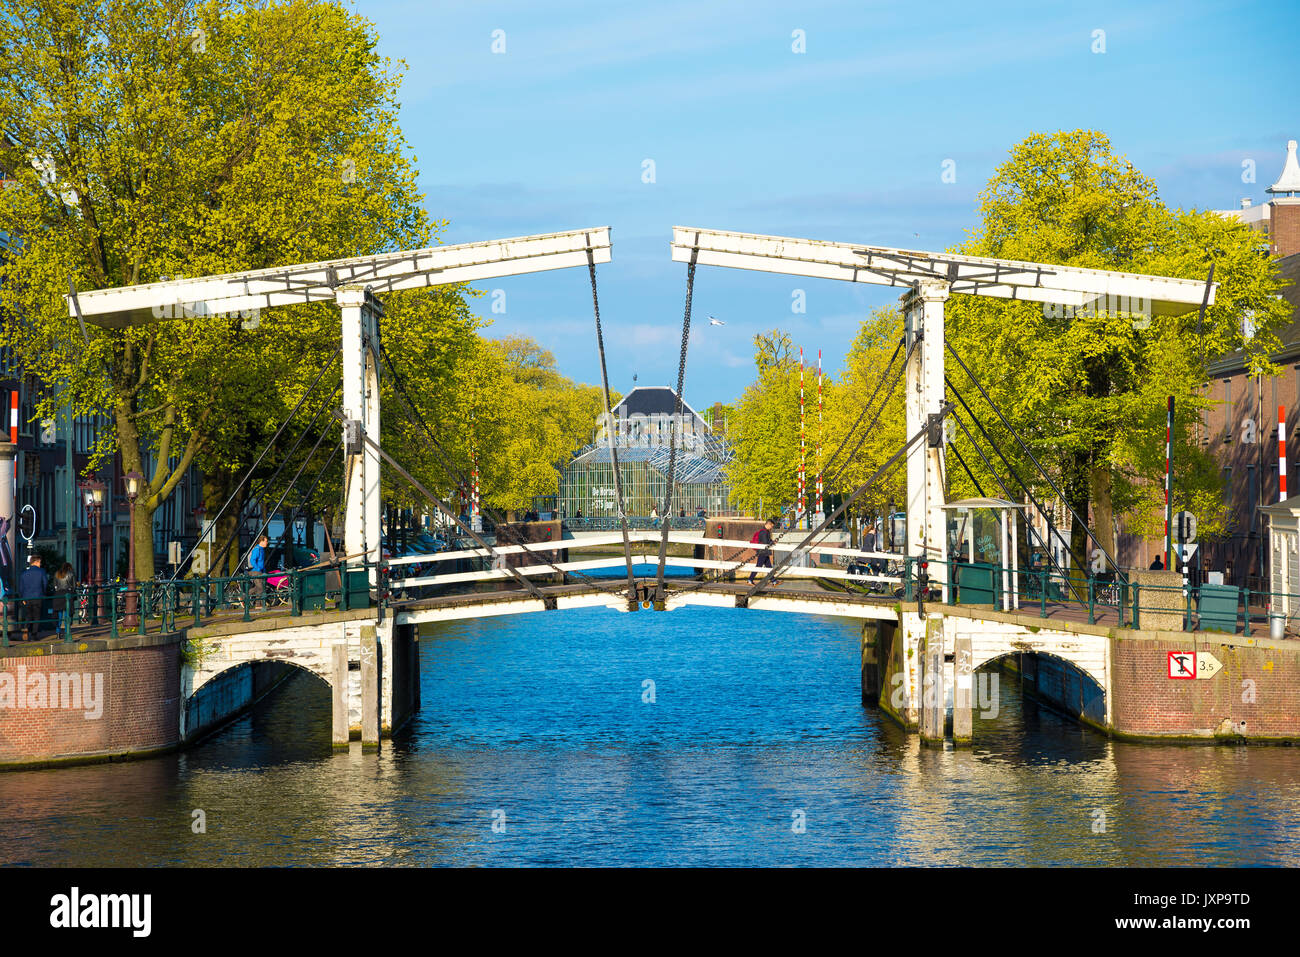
(113, 610)
(1097, 598)
(825, 560)
(609, 523)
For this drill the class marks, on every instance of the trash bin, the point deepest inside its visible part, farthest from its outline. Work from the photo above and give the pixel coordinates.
(320, 585)
(1217, 607)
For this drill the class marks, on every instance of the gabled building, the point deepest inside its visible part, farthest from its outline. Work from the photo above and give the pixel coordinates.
(642, 431)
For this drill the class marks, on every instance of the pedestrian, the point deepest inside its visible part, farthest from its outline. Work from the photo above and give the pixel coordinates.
(701, 513)
(31, 593)
(763, 555)
(682, 513)
(654, 515)
(63, 585)
(1158, 564)
(578, 513)
(257, 566)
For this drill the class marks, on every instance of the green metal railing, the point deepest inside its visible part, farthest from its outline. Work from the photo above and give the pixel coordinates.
(1197, 607)
(161, 607)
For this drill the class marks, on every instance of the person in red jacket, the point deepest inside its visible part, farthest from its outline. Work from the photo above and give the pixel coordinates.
(762, 555)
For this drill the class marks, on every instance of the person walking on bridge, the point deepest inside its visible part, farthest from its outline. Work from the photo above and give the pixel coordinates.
(257, 566)
(31, 595)
(763, 555)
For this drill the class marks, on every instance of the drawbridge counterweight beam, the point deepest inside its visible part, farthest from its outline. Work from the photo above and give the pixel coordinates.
(353, 284)
(930, 278)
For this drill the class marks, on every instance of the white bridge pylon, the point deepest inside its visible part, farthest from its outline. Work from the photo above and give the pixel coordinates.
(353, 284)
(930, 278)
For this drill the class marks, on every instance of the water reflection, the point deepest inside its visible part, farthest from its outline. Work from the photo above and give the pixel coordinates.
(546, 725)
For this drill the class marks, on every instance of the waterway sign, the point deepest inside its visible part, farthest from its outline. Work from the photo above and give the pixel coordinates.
(1207, 666)
(1182, 664)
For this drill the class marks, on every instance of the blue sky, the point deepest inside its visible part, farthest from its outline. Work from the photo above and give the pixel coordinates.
(846, 141)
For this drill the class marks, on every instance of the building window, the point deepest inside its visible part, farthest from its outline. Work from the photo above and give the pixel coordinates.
(1227, 410)
(1274, 409)
(1252, 493)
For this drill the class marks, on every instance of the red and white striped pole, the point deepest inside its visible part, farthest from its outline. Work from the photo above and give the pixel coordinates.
(818, 447)
(1169, 458)
(13, 437)
(1281, 453)
(474, 521)
(803, 458)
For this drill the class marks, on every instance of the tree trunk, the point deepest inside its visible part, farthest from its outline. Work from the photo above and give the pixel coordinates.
(1103, 511)
(1075, 486)
(142, 533)
(217, 488)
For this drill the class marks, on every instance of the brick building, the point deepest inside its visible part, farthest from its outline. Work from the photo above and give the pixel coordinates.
(1241, 431)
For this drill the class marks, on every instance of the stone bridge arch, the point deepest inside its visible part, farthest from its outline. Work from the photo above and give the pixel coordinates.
(342, 650)
(231, 691)
(1068, 669)
(1061, 682)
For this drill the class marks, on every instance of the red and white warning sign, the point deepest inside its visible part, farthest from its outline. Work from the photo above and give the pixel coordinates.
(1182, 664)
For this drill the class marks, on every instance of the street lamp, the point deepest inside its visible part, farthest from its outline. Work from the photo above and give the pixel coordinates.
(133, 481)
(92, 492)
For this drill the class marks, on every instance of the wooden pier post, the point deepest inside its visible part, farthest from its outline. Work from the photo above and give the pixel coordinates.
(871, 662)
(963, 691)
(341, 723)
(933, 709)
(369, 687)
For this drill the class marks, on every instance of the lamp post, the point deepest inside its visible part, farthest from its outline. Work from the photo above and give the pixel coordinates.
(200, 512)
(132, 481)
(92, 491)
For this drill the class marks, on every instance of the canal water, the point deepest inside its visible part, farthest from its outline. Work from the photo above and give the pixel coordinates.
(692, 737)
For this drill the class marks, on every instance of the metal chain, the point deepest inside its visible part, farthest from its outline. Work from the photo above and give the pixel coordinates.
(675, 427)
(945, 410)
(888, 391)
(456, 475)
(613, 439)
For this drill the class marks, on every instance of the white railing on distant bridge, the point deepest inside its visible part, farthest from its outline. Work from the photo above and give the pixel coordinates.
(639, 558)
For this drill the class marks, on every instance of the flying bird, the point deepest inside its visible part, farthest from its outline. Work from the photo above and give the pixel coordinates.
(716, 322)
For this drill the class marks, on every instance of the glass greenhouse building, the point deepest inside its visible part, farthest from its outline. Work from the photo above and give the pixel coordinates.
(642, 429)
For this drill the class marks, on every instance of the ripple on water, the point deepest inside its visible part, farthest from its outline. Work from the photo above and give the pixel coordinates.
(699, 736)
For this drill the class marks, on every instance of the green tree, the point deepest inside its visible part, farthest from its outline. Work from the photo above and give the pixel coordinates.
(765, 429)
(174, 137)
(867, 446)
(1087, 391)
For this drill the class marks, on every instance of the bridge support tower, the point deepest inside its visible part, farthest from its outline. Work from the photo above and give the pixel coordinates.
(361, 314)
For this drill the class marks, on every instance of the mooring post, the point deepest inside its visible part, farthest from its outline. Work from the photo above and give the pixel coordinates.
(369, 687)
(963, 673)
(871, 661)
(932, 688)
(342, 723)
